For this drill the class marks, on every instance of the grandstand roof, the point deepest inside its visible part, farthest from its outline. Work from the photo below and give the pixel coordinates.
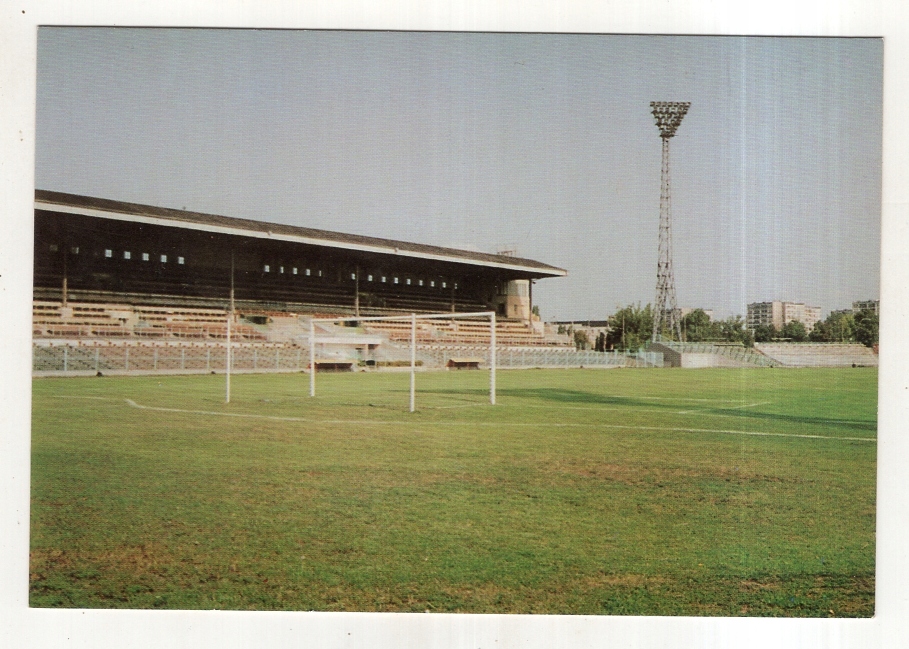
(136, 213)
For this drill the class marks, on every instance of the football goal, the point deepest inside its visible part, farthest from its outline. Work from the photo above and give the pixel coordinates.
(400, 333)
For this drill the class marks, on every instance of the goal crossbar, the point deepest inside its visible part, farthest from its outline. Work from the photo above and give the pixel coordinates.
(412, 318)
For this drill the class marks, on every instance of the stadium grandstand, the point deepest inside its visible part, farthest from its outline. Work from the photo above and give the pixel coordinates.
(98, 250)
(121, 286)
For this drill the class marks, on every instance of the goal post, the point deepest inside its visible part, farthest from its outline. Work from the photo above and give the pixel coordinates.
(412, 318)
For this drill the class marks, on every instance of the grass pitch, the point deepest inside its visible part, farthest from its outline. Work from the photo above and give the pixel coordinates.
(658, 492)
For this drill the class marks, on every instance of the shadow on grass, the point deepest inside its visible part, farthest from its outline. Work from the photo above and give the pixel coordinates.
(559, 395)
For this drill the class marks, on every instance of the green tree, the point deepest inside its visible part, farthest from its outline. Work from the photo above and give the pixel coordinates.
(600, 345)
(581, 341)
(764, 333)
(821, 333)
(838, 327)
(748, 338)
(794, 331)
(630, 328)
(867, 324)
(697, 327)
(842, 327)
(733, 330)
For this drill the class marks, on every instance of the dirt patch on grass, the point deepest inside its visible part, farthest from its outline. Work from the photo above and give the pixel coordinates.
(412, 479)
(637, 474)
(481, 592)
(138, 560)
(621, 580)
(117, 577)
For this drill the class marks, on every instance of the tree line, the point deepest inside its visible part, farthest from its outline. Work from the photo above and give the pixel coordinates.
(630, 329)
(838, 327)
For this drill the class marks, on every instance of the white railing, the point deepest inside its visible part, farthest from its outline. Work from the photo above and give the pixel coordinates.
(75, 358)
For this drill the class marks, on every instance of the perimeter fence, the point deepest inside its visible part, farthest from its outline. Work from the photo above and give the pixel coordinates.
(72, 358)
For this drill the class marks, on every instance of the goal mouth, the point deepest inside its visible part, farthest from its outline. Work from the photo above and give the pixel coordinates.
(457, 362)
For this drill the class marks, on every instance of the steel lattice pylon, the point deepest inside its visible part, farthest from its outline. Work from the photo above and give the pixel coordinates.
(666, 315)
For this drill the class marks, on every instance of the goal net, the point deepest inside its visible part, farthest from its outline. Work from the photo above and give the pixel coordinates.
(408, 329)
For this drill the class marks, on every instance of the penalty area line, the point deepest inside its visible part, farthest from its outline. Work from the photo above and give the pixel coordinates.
(739, 407)
(371, 422)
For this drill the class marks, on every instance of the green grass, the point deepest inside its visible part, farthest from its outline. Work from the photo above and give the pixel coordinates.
(658, 492)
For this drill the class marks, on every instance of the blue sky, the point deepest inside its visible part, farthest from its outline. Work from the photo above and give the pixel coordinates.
(487, 141)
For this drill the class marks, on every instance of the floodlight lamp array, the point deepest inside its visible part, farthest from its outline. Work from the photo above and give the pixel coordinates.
(668, 115)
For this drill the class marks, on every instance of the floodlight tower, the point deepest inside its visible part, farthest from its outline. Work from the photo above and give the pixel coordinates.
(668, 115)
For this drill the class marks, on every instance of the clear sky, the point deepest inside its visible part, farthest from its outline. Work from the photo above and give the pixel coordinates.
(489, 141)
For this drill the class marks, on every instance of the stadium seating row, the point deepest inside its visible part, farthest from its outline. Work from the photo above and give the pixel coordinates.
(508, 332)
(818, 354)
(78, 320)
(87, 320)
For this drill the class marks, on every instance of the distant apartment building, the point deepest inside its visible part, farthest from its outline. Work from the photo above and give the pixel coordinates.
(779, 313)
(867, 305)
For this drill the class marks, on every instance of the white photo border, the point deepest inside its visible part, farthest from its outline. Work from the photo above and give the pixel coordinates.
(24, 627)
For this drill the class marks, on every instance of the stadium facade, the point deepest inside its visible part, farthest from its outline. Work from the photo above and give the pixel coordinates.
(94, 249)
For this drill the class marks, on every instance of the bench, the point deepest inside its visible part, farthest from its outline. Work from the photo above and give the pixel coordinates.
(464, 363)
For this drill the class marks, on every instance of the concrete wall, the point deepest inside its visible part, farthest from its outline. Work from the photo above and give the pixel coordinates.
(674, 358)
(708, 360)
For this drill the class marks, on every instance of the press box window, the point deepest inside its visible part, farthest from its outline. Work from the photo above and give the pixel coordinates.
(108, 253)
(53, 247)
(267, 268)
(127, 254)
(145, 256)
(181, 260)
(163, 259)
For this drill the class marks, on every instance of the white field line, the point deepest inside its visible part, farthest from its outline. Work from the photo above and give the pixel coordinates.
(133, 404)
(602, 408)
(631, 396)
(367, 422)
(707, 410)
(73, 396)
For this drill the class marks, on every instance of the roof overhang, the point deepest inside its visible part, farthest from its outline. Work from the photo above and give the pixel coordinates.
(306, 236)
